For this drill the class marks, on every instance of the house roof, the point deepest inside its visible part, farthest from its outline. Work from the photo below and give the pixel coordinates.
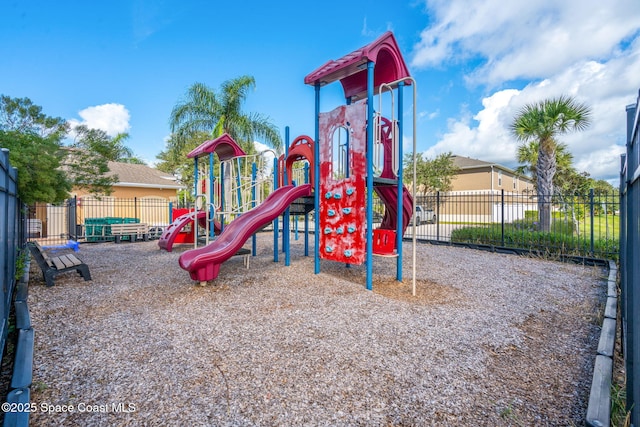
(467, 163)
(351, 69)
(134, 175)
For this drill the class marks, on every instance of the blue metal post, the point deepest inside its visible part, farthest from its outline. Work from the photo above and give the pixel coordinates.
(316, 184)
(275, 221)
(286, 220)
(369, 157)
(399, 225)
(195, 176)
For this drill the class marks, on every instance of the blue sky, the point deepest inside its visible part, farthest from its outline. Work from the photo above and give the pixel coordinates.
(122, 65)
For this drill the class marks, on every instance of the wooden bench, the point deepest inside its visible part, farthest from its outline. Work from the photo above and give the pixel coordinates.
(52, 266)
(133, 231)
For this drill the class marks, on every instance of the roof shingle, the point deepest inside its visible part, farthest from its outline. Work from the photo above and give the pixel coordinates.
(130, 174)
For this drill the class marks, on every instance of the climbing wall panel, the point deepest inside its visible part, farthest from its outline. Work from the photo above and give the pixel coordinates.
(342, 192)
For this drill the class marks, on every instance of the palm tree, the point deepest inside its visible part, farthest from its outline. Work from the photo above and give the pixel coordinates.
(543, 122)
(216, 113)
(527, 156)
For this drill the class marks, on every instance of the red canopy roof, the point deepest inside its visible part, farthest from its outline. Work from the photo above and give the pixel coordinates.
(224, 146)
(351, 69)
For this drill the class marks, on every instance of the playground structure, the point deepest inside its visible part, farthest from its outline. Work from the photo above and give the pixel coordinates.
(204, 263)
(218, 197)
(357, 151)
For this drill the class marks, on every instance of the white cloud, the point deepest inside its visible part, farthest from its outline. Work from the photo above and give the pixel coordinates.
(523, 39)
(429, 115)
(589, 50)
(484, 136)
(111, 118)
(606, 87)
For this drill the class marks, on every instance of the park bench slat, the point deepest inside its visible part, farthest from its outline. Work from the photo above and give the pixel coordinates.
(52, 266)
(65, 261)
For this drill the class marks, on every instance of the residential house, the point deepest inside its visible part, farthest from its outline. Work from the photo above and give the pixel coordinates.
(483, 192)
(141, 194)
(478, 175)
(138, 181)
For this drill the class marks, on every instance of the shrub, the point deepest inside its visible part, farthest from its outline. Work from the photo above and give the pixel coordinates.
(559, 225)
(525, 236)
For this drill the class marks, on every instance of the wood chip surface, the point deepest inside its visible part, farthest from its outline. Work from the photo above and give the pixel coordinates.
(489, 340)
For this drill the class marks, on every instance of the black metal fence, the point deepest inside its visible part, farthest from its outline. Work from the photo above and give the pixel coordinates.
(582, 225)
(12, 240)
(89, 218)
(630, 258)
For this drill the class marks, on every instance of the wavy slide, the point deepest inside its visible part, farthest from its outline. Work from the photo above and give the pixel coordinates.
(170, 233)
(388, 196)
(203, 264)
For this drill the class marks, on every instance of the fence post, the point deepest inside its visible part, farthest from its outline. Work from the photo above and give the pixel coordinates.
(438, 216)
(592, 217)
(72, 217)
(75, 218)
(502, 216)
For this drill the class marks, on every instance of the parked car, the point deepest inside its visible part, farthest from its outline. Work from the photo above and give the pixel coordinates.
(424, 215)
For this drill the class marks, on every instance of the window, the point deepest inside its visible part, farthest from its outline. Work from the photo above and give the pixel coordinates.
(499, 178)
(340, 153)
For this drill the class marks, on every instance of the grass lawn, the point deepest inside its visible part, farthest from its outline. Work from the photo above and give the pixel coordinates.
(606, 227)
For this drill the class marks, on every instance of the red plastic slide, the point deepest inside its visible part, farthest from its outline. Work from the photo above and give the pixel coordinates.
(388, 195)
(168, 237)
(203, 264)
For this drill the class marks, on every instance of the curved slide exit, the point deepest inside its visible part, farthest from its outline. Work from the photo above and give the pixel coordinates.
(203, 264)
(168, 237)
(389, 196)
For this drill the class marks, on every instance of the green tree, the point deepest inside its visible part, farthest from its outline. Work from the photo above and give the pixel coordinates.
(174, 159)
(22, 116)
(47, 169)
(114, 150)
(87, 161)
(38, 160)
(204, 110)
(432, 174)
(34, 143)
(544, 122)
(527, 156)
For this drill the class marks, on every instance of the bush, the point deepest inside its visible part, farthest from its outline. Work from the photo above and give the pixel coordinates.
(559, 225)
(523, 235)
